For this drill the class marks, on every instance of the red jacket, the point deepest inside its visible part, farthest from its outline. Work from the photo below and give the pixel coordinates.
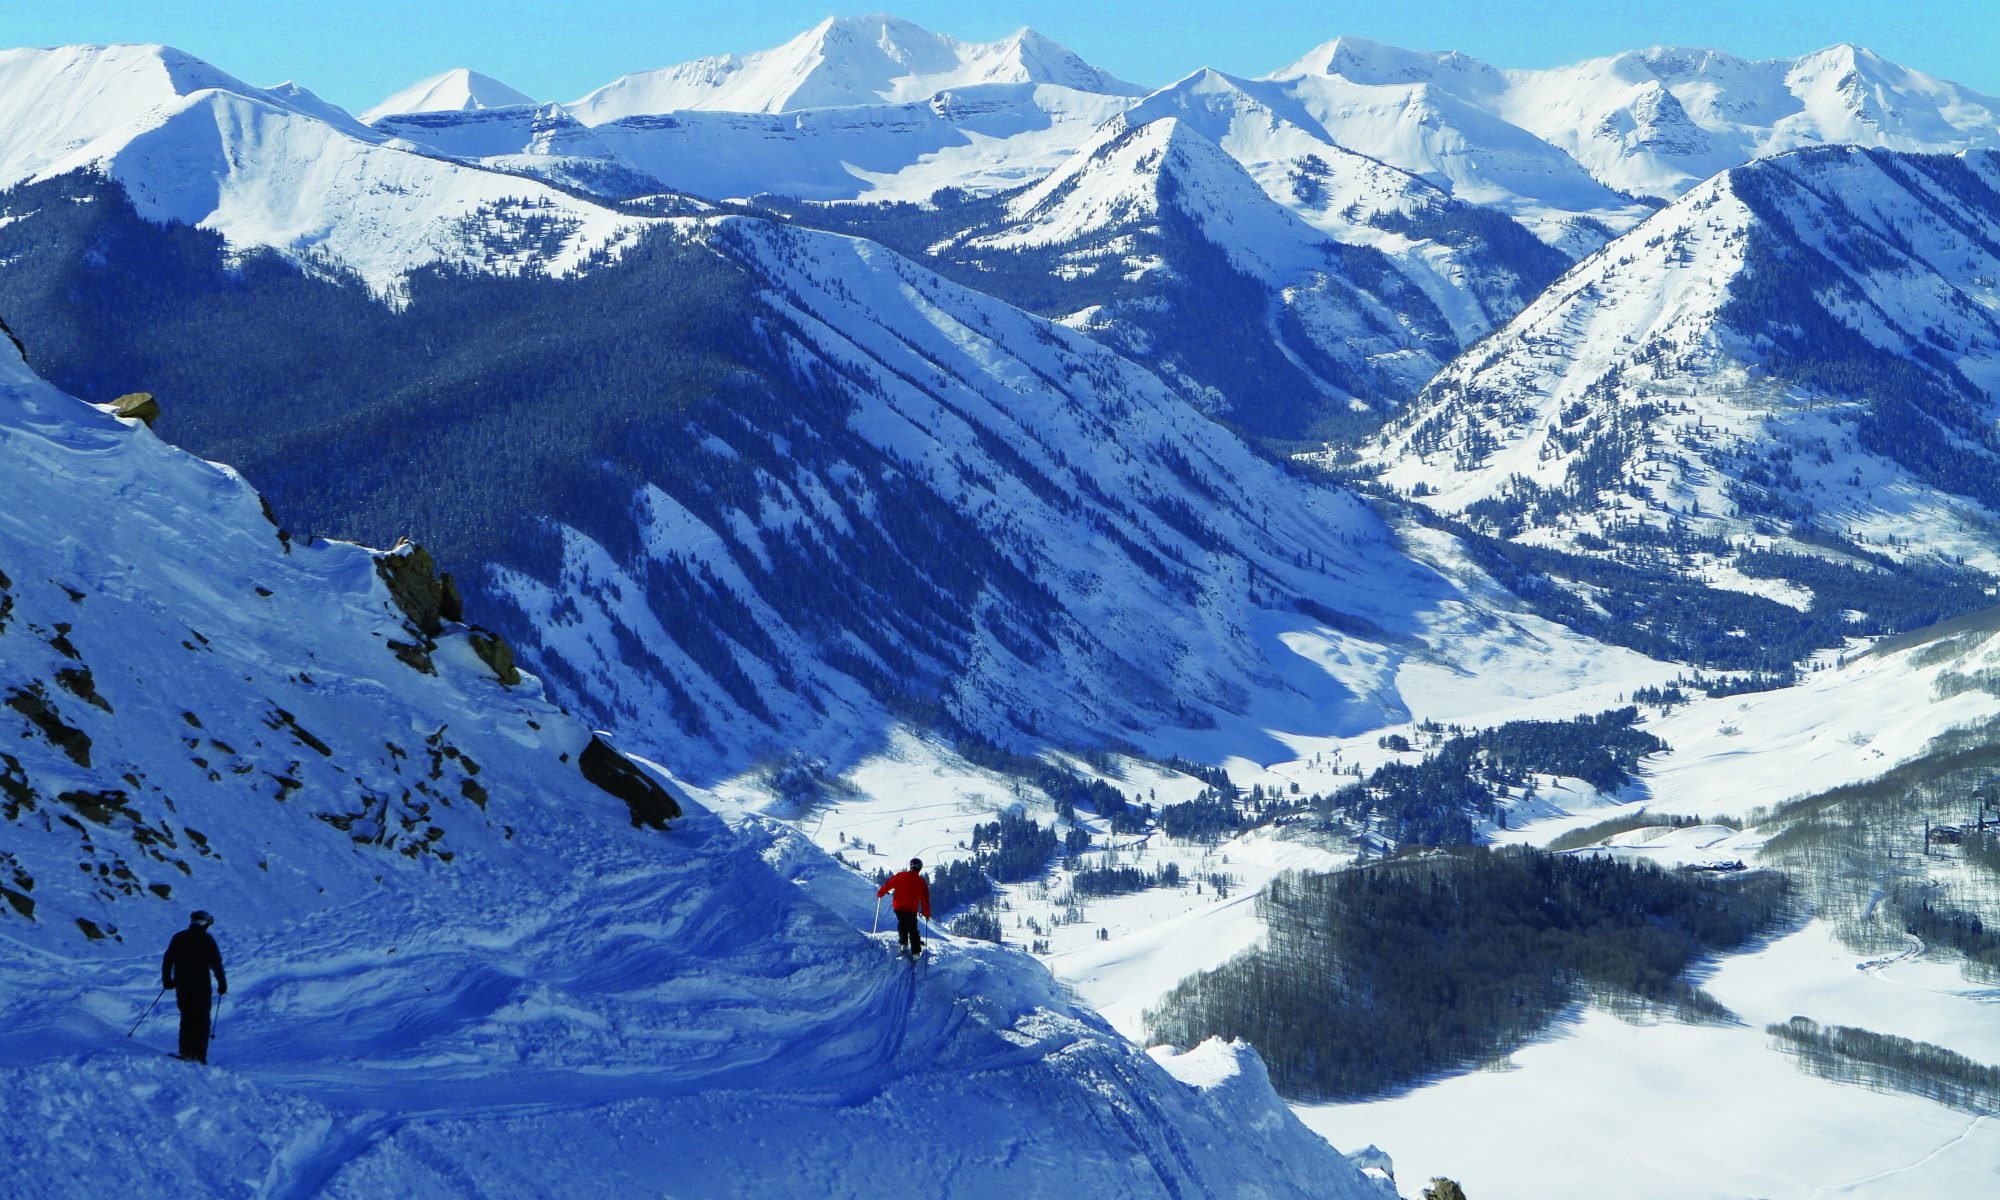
(912, 893)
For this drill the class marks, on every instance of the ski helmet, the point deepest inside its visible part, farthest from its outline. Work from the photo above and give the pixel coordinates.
(916, 864)
(200, 919)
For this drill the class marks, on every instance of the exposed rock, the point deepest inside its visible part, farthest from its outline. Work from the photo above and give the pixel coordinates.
(280, 719)
(33, 703)
(137, 406)
(651, 803)
(16, 796)
(99, 807)
(494, 651)
(77, 681)
(413, 656)
(412, 577)
(450, 606)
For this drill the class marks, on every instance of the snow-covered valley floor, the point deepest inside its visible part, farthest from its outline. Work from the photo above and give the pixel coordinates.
(1639, 1107)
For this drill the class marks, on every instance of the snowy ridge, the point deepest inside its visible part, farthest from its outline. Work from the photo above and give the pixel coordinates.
(1658, 121)
(440, 935)
(1415, 121)
(539, 141)
(1130, 172)
(1649, 122)
(278, 169)
(989, 137)
(1896, 253)
(1351, 197)
(1160, 207)
(843, 62)
(456, 90)
(856, 106)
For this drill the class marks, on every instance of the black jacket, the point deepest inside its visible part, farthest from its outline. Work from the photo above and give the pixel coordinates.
(190, 956)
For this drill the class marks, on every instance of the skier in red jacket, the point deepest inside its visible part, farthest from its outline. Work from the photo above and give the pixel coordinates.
(912, 896)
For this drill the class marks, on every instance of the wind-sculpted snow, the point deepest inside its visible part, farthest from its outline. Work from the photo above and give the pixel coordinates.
(441, 938)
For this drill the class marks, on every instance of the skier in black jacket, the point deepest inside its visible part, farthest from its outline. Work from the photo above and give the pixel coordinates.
(190, 956)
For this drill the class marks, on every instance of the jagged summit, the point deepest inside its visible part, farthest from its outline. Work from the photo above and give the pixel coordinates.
(844, 62)
(456, 90)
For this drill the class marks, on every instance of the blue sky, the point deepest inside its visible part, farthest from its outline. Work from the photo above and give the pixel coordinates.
(354, 52)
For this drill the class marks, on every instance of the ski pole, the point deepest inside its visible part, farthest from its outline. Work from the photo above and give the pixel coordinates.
(147, 1013)
(877, 926)
(215, 1021)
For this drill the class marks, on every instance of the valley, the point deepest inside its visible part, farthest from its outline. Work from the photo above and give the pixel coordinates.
(1425, 620)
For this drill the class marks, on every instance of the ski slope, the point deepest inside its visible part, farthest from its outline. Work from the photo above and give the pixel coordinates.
(443, 938)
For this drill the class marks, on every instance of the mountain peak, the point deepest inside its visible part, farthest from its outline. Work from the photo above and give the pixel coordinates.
(124, 71)
(456, 90)
(1359, 60)
(1134, 171)
(845, 62)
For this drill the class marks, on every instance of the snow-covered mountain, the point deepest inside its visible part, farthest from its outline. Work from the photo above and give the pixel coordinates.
(878, 524)
(1068, 543)
(844, 62)
(278, 168)
(1656, 122)
(1477, 266)
(441, 933)
(856, 105)
(1650, 122)
(1432, 115)
(1162, 246)
(456, 90)
(1800, 348)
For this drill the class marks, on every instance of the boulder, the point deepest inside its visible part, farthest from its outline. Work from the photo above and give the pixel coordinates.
(651, 803)
(494, 651)
(137, 406)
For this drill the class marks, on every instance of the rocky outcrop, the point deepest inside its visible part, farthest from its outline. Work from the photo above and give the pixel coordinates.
(137, 406)
(651, 803)
(429, 600)
(413, 582)
(32, 702)
(494, 651)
